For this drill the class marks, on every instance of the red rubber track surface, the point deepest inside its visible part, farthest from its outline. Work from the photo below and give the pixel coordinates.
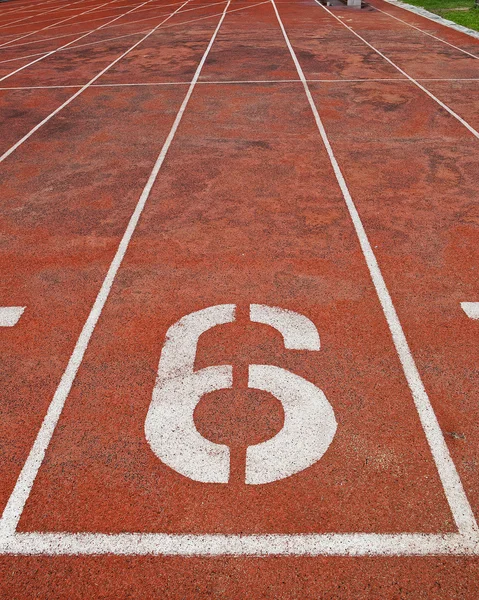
(246, 209)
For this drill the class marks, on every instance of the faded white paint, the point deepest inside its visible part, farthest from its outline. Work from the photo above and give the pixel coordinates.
(327, 544)
(298, 332)
(9, 315)
(309, 426)
(169, 427)
(471, 309)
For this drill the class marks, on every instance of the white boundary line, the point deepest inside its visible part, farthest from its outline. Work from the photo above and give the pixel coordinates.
(127, 6)
(44, 21)
(63, 35)
(5, 44)
(27, 8)
(118, 37)
(11, 23)
(26, 479)
(426, 32)
(69, 43)
(232, 82)
(422, 12)
(451, 482)
(415, 81)
(229, 82)
(97, 18)
(335, 544)
(123, 36)
(12, 149)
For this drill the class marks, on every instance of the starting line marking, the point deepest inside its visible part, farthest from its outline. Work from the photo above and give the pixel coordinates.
(471, 309)
(333, 544)
(10, 315)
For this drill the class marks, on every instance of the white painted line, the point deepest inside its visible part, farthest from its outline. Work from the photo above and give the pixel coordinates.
(9, 315)
(23, 486)
(63, 35)
(119, 37)
(12, 149)
(47, 11)
(427, 33)
(418, 10)
(99, 18)
(87, 20)
(333, 544)
(415, 81)
(69, 43)
(454, 491)
(52, 25)
(471, 309)
(222, 82)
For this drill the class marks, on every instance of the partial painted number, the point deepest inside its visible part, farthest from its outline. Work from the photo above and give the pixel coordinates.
(309, 422)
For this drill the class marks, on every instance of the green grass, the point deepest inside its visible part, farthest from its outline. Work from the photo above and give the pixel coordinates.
(452, 10)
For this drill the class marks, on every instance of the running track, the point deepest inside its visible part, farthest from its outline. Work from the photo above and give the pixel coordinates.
(159, 158)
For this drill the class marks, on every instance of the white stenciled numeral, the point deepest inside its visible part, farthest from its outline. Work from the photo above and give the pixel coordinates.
(309, 424)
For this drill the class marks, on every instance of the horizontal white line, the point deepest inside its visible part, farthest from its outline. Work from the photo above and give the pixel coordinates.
(333, 544)
(9, 315)
(227, 82)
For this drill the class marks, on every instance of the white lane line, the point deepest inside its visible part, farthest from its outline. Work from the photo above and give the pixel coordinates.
(426, 33)
(48, 11)
(86, 21)
(9, 315)
(68, 44)
(471, 309)
(332, 544)
(6, 25)
(63, 21)
(426, 14)
(128, 35)
(221, 82)
(23, 9)
(415, 81)
(195, 8)
(453, 489)
(63, 35)
(23, 486)
(86, 86)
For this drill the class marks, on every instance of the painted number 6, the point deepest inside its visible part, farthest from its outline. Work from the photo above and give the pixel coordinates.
(309, 421)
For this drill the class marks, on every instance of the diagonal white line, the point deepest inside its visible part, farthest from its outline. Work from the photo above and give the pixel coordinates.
(426, 33)
(128, 23)
(84, 87)
(416, 83)
(63, 35)
(26, 479)
(57, 23)
(47, 11)
(140, 32)
(453, 489)
(69, 43)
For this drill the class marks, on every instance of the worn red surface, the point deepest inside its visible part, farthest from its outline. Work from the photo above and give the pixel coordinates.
(246, 209)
